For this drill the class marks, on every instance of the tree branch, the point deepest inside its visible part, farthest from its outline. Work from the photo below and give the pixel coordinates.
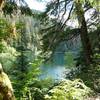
(68, 17)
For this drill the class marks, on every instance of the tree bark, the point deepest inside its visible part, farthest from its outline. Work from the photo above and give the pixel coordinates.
(84, 33)
(86, 42)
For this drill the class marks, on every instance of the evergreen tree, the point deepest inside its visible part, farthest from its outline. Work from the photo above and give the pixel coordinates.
(59, 9)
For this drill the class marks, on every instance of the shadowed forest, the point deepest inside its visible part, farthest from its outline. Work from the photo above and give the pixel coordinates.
(50, 54)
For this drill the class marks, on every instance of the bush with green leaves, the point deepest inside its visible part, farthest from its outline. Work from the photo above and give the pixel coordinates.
(69, 90)
(24, 74)
(8, 56)
(40, 87)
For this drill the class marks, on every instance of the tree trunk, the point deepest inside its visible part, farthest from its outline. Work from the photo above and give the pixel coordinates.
(84, 33)
(86, 42)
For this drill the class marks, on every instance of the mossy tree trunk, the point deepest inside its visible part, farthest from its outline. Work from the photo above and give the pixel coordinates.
(6, 90)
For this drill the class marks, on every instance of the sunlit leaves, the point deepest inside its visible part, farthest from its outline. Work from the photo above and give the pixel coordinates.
(69, 90)
(4, 27)
(7, 30)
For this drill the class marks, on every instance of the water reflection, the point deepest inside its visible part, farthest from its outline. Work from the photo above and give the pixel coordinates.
(62, 57)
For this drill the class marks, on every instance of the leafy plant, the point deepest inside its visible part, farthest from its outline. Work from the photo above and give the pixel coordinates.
(69, 58)
(4, 29)
(69, 90)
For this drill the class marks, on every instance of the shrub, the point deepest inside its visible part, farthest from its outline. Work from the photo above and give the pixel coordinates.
(69, 90)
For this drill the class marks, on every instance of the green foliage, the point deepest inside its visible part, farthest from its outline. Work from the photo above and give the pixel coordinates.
(69, 58)
(22, 70)
(8, 56)
(4, 29)
(1, 47)
(96, 58)
(90, 74)
(40, 87)
(43, 83)
(26, 73)
(9, 7)
(53, 34)
(46, 83)
(12, 7)
(37, 94)
(96, 72)
(69, 90)
(34, 71)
